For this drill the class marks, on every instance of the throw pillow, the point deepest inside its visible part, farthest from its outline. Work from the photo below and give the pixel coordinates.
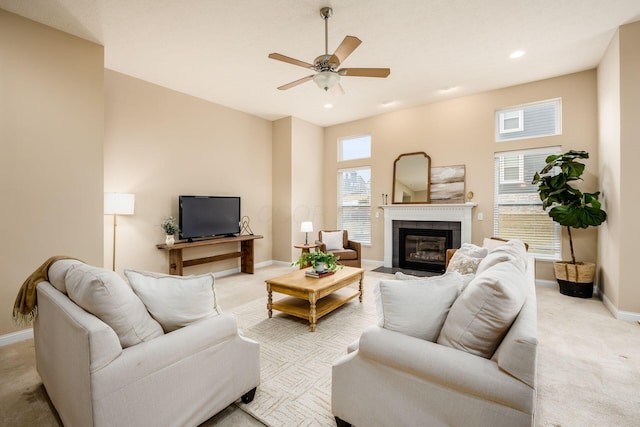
(58, 271)
(175, 301)
(513, 250)
(462, 263)
(473, 251)
(402, 276)
(104, 294)
(482, 315)
(333, 240)
(417, 308)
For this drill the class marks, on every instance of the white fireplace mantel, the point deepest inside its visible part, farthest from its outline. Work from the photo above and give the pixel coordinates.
(459, 212)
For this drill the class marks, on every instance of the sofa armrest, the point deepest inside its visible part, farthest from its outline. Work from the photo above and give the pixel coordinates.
(144, 359)
(448, 367)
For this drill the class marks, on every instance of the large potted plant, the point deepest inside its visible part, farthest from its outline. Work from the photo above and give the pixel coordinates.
(571, 208)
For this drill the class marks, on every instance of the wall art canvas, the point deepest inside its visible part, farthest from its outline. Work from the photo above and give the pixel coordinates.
(447, 184)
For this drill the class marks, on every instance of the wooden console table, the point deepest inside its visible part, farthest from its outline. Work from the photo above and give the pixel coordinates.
(176, 262)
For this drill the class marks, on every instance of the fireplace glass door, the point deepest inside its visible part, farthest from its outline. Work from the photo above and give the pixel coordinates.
(424, 249)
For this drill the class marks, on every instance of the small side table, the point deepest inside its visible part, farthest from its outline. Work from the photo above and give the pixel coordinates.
(305, 250)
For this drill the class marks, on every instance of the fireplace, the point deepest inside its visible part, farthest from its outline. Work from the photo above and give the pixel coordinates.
(424, 249)
(454, 217)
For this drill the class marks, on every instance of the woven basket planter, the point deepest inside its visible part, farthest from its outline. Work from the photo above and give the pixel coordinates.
(575, 280)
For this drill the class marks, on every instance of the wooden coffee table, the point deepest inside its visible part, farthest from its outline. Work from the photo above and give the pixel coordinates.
(312, 298)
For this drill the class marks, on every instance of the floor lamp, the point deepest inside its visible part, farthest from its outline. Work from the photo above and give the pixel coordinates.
(118, 204)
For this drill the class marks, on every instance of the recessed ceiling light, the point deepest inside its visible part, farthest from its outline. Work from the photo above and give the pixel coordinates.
(328, 105)
(517, 54)
(448, 88)
(386, 103)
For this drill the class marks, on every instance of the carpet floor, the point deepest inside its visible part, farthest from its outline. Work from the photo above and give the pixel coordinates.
(588, 362)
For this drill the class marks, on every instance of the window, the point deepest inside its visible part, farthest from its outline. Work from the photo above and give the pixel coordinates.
(518, 209)
(529, 121)
(356, 147)
(354, 203)
(512, 170)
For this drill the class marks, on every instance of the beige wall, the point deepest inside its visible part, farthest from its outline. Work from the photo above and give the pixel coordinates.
(619, 103)
(298, 184)
(160, 144)
(609, 167)
(461, 131)
(51, 120)
(282, 142)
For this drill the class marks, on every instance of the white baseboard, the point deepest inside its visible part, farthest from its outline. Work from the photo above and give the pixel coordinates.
(546, 283)
(15, 337)
(627, 316)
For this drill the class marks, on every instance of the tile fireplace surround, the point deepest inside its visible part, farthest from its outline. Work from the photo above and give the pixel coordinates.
(427, 212)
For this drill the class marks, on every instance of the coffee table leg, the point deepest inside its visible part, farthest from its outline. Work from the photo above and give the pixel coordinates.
(312, 311)
(269, 301)
(361, 286)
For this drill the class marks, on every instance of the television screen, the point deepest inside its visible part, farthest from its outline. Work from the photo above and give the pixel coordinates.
(208, 216)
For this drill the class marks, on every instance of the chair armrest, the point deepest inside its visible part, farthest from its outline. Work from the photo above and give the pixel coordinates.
(356, 246)
(448, 367)
(450, 253)
(321, 246)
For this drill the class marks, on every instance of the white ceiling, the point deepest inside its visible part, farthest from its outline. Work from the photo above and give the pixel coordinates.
(217, 49)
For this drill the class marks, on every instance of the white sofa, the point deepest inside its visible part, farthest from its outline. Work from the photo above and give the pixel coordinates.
(181, 378)
(392, 379)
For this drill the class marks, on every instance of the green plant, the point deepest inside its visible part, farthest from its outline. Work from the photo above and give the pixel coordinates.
(569, 206)
(169, 226)
(315, 257)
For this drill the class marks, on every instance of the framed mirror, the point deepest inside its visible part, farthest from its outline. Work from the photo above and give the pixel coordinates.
(411, 178)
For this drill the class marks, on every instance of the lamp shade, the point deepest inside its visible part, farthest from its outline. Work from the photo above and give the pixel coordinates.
(119, 203)
(326, 79)
(306, 226)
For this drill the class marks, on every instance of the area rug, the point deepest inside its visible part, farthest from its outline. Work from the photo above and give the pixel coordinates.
(295, 386)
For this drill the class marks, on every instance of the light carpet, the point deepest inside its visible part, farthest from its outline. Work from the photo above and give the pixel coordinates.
(295, 364)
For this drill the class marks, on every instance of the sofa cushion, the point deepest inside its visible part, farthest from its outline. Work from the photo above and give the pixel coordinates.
(333, 240)
(175, 301)
(104, 294)
(416, 308)
(481, 316)
(473, 251)
(58, 271)
(513, 250)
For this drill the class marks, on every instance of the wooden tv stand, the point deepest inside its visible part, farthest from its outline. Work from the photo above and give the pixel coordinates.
(177, 263)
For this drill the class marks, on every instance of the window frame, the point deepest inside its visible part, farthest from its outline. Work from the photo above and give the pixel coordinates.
(507, 135)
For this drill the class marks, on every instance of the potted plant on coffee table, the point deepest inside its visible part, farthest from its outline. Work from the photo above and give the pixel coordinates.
(571, 208)
(320, 261)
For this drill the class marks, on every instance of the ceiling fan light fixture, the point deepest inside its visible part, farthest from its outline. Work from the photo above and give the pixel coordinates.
(326, 79)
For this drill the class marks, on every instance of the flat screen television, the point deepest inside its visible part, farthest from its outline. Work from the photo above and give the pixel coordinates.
(208, 216)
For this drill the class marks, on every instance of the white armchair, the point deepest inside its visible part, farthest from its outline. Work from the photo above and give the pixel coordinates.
(181, 378)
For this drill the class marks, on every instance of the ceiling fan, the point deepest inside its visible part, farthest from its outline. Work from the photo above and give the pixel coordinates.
(328, 74)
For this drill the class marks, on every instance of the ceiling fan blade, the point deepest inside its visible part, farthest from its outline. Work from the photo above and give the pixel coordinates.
(295, 83)
(348, 45)
(365, 72)
(293, 61)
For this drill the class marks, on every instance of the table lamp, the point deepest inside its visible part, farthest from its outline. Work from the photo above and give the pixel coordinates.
(118, 204)
(306, 227)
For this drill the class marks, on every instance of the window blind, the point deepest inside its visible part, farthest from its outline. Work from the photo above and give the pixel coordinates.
(354, 203)
(518, 209)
